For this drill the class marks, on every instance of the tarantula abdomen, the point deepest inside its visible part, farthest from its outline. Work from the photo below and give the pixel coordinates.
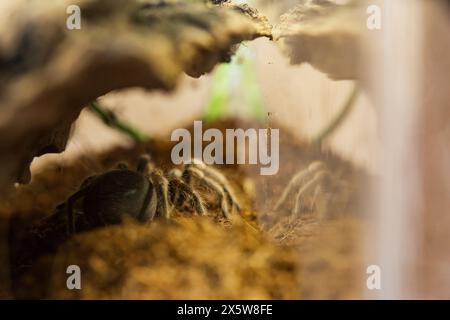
(148, 193)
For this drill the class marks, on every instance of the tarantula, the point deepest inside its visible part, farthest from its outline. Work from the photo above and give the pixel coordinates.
(147, 193)
(314, 189)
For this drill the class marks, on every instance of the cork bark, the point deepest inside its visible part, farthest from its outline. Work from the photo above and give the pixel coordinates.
(49, 73)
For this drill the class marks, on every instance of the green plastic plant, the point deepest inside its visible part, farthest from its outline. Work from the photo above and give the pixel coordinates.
(111, 120)
(235, 90)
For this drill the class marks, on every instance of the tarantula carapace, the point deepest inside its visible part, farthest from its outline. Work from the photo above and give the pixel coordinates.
(147, 193)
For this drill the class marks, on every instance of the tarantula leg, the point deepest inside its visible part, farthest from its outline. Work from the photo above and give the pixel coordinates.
(181, 190)
(297, 182)
(176, 197)
(217, 176)
(223, 198)
(70, 215)
(150, 205)
(224, 206)
(309, 189)
(161, 186)
(220, 184)
(191, 172)
(293, 185)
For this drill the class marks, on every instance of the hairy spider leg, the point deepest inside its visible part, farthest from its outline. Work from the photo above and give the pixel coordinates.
(310, 188)
(297, 182)
(150, 205)
(176, 197)
(218, 178)
(183, 191)
(193, 172)
(161, 186)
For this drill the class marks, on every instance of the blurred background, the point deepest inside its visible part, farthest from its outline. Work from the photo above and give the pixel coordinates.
(397, 130)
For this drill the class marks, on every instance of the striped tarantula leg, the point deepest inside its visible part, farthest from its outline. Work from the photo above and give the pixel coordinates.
(292, 187)
(194, 172)
(176, 197)
(309, 192)
(148, 211)
(296, 183)
(221, 193)
(183, 191)
(223, 181)
(161, 186)
(202, 172)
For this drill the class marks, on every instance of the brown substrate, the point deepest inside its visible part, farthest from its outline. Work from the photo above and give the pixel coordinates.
(256, 255)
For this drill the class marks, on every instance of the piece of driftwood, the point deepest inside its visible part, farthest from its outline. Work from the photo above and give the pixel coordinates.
(48, 73)
(324, 34)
